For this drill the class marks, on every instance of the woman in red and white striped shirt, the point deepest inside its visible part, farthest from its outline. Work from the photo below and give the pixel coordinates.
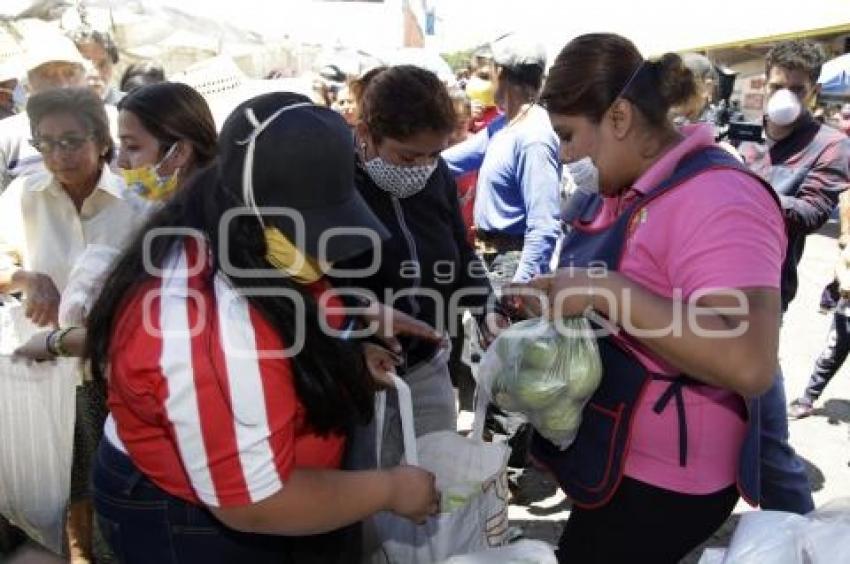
(229, 403)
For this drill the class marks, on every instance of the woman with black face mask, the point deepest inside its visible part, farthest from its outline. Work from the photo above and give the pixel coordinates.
(427, 268)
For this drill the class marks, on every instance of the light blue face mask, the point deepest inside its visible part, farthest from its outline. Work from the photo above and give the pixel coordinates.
(19, 97)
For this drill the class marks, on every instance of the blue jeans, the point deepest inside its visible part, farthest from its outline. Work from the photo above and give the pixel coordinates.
(142, 523)
(784, 482)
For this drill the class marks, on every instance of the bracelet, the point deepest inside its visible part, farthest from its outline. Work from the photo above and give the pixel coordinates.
(50, 342)
(58, 344)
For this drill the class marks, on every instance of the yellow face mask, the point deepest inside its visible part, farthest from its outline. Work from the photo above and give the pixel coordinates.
(286, 257)
(147, 183)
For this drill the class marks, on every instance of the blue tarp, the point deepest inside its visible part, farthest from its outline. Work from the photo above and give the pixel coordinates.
(835, 76)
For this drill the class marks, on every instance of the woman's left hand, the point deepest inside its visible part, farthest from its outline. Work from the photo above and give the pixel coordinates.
(381, 364)
(389, 324)
(567, 292)
(493, 324)
(35, 349)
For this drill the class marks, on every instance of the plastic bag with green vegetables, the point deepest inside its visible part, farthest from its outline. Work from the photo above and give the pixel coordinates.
(547, 371)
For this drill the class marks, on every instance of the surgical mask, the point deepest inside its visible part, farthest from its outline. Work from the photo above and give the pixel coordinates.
(148, 183)
(286, 257)
(400, 181)
(585, 175)
(19, 97)
(783, 108)
(584, 203)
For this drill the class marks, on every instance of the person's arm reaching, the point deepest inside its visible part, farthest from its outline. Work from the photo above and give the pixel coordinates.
(468, 155)
(811, 208)
(318, 501)
(539, 175)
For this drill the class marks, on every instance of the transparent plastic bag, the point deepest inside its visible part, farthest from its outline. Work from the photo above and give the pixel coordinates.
(546, 371)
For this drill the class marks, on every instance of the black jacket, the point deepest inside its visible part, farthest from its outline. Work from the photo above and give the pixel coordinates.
(808, 170)
(427, 264)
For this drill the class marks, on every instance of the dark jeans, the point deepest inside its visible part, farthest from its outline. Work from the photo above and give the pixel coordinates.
(832, 357)
(142, 523)
(643, 523)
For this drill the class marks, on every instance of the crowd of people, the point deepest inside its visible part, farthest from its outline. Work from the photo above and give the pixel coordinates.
(226, 410)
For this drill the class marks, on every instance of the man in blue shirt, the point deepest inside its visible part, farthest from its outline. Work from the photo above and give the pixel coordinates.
(517, 200)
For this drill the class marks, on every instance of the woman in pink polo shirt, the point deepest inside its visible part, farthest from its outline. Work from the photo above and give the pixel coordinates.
(693, 245)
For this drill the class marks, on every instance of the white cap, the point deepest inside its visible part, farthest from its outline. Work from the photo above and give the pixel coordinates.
(10, 58)
(51, 49)
(10, 69)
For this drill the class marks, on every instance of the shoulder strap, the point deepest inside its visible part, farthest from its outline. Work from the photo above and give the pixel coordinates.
(700, 161)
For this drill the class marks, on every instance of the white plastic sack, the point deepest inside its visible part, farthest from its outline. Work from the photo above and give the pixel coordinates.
(525, 551)
(472, 478)
(546, 371)
(37, 410)
(85, 283)
(776, 537)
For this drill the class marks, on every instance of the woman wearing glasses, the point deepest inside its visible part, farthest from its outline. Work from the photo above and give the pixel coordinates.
(48, 221)
(166, 133)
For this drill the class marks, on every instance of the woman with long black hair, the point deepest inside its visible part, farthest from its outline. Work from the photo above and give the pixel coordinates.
(230, 403)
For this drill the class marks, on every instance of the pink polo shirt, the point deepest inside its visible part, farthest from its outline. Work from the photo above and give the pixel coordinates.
(719, 229)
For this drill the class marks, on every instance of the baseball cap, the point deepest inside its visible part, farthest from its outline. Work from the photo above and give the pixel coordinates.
(51, 49)
(515, 51)
(281, 150)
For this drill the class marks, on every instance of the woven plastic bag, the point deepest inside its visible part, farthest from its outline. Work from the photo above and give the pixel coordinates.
(37, 410)
(545, 370)
(524, 551)
(471, 476)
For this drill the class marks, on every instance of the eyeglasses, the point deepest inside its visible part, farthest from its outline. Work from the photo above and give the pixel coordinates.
(67, 144)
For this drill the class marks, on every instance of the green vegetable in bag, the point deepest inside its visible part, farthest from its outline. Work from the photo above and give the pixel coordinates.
(545, 371)
(539, 355)
(561, 418)
(536, 389)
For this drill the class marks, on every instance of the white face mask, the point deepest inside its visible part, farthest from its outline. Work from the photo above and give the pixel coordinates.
(585, 174)
(783, 108)
(19, 97)
(400, 181)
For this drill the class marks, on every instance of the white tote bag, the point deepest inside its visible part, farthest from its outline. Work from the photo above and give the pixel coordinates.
(37, 410)
(524, 551)
(471, 476)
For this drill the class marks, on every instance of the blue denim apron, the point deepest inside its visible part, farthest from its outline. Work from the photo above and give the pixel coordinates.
(591, 469)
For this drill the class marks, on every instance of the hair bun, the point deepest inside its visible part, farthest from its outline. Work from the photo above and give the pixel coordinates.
(675, 81)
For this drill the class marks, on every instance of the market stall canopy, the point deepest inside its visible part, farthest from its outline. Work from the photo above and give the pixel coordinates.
(835, 77)
(224, 86)
(424, 58)
(655, 26)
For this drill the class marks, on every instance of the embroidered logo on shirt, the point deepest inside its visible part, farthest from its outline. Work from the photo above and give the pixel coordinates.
(638, 219)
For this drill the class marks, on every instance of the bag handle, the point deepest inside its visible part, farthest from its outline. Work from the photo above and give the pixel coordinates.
(405, 408)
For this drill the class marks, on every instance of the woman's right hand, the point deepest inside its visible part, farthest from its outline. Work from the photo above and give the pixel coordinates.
(35, 349)
(413, 493)
(41, 298)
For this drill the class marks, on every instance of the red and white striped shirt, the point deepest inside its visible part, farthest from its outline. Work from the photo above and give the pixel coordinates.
(200, 406)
